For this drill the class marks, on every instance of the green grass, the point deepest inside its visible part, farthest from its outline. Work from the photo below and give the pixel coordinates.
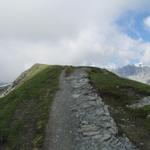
(24, 112)
(118, 93)
(28, 74)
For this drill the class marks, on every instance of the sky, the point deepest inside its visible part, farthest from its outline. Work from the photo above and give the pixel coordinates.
(102, 33)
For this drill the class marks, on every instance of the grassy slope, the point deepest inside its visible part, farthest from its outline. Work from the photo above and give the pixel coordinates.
(118, 93)
(28, 74)
(24, 112)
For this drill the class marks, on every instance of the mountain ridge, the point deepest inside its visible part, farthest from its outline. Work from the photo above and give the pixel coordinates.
(26, 110)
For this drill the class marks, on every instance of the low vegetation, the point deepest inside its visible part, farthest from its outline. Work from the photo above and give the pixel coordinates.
(24, 112)
(118, 93)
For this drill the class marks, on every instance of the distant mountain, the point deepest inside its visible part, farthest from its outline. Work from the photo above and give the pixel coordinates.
(1, 83)
(4, 84)
(138, 73)
(4, 87)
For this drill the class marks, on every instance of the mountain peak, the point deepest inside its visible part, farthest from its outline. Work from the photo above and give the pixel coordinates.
(139, 73)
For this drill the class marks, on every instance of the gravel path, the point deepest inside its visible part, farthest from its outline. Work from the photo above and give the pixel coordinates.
(79, 120)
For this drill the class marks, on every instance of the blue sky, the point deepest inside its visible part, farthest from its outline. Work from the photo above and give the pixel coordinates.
(132, 24)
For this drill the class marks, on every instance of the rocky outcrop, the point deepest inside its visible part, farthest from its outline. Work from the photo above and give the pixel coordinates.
(23, 77)
(80, 120)
(14, 84)
(4, 88)
(141, 103)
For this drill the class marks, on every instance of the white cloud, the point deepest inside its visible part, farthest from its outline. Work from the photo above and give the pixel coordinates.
(147, 22)
(145, 59)
(64, 32)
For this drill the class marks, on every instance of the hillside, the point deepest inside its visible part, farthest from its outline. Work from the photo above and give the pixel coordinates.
(119, 93)
(74, 108)
(24, 111)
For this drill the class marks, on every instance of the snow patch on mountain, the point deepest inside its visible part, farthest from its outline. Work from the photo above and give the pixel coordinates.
(139, 73)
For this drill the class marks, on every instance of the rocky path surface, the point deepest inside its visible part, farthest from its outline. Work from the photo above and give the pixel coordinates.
(79, 120)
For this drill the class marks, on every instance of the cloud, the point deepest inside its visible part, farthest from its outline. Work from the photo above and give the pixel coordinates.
(65, 32)
(55, 19)
(147, 22)
(146, 55)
